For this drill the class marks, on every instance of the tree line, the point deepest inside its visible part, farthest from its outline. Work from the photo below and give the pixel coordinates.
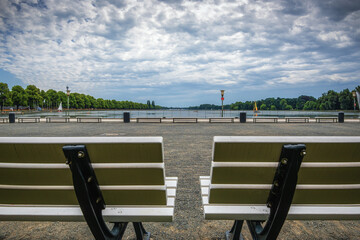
(331, 100)
(328, 101)
(32, 97)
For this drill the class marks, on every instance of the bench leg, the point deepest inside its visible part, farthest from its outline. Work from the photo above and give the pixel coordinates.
(281, 193)
(235, 232)
(89, 194)
(140, 231)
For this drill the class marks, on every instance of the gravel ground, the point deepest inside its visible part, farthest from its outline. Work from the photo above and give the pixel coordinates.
(187, 155)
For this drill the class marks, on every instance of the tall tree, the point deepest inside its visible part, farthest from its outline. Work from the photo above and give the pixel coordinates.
(345, 100)
(33, 94)
(4, 94)
(18, 96)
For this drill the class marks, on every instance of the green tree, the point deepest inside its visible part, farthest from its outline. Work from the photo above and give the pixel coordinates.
(153, 104)
(302, 100)
(62, 98)
(329, 101)
(310, 105)
(345, 100)
(4, 94)
(18, 96)
(263, 107)
(283, 103)
(53, 98)
(273, 107)
(34, 97)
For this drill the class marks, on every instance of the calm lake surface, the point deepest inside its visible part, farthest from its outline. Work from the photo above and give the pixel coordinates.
(177, 113)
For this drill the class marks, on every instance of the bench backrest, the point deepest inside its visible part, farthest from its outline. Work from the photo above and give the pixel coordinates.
(243, 169)
(130, 170)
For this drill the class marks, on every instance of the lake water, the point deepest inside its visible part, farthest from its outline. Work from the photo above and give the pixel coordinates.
(179, 113)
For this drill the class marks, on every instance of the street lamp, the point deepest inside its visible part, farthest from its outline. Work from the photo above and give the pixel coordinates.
(354, 96)
(68, 95)
(222, 102)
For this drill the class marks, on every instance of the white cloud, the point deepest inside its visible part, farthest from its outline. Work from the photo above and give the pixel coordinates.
(148, 44)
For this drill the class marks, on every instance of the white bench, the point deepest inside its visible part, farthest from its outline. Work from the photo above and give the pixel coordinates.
(29, 119)
(58, 119)
(148, 120)
(47, 178)
(245, 183)
(265, 119)
(297, 119)
(326, 119)
(185, 120)
(89, 119)
(221, 120)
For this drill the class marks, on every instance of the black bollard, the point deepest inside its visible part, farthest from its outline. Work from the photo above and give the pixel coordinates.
(341, 117)
(11, 117)
(243, 117)
(126, 117)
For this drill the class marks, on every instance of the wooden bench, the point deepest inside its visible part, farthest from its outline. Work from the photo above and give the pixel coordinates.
(58, 119)
(276, 178)
(29, 119)
(326, 119)
(89, 119)
(4, 119)
(221, 120)
(148, 120)
(185, 120)
(265, 119)
(297, 119)
(53, 179)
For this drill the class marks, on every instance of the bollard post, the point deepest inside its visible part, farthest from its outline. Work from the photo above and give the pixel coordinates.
(126, 117)
(11, 117)
(341, 117)
(243, 117)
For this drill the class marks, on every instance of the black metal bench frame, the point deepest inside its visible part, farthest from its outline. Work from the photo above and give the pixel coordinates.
(280, 197)
(90, 197)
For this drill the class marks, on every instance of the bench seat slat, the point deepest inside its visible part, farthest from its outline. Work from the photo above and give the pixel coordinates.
(110, 214)
(296, 212)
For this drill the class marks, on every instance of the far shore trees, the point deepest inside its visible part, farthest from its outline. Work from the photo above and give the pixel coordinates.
(32, 97)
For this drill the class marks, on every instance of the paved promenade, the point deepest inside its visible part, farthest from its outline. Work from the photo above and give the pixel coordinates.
(187, 150)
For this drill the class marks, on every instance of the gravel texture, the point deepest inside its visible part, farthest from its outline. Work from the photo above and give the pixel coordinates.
(187, 150)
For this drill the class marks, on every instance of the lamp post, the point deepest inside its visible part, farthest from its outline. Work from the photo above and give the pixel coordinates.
(354, 96)
(68, 95)
(222, 102)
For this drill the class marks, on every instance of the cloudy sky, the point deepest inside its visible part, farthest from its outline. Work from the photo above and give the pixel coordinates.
(181, 53)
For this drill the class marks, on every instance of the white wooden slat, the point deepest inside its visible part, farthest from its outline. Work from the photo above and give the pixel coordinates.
(287, 139)
(171, 192)
(65, 166)
(111, 214)
(205, 191)
(310, 212)
(171, 182)
(170, 202)
(80, 140)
